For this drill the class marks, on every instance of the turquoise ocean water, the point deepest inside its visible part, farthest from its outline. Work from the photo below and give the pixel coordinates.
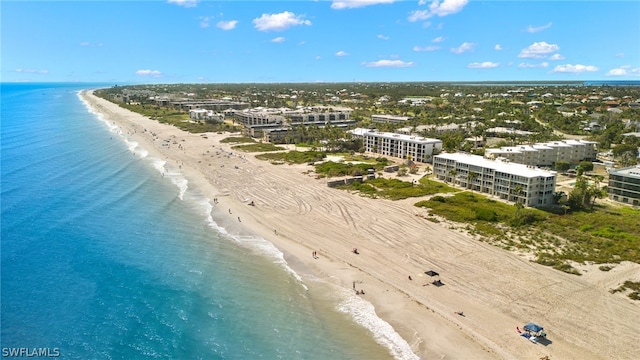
(104, 258)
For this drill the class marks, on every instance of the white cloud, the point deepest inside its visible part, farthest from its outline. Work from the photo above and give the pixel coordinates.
(204, 21)
(89, 44)
(624, 70)
(437, 8)
(418, 15)
(497, 47)
(341, 53)
(152, 73)
(535, 29)
(31, 71)
(352, 4)
(463, 48)
(578, 68)
(543, 64)
(278, 39)
(619, 55)
(389, 63)
(227, 25)
(556, 57)
(185, 3)
(483, 65)
(438, 39)
(538, 50)
(382, 37)
(447, 7)
(425, 48)
(279, 22)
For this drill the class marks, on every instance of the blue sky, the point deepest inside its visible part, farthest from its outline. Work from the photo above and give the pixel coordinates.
(189, 41)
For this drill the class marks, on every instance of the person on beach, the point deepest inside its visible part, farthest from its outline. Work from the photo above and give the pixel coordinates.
(410, 277)
(239, 219)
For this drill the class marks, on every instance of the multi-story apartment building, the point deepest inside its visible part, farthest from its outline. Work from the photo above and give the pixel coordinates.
(401, 146)
(320, 116)
(207, 115)
(509, 181)
(393, 119)
(209, 104)
(546, 154)
(624, 185)
(257, 121)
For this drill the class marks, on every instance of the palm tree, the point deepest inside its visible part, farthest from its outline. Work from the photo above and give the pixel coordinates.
(518, 192)
(471, 178)
(452, 174)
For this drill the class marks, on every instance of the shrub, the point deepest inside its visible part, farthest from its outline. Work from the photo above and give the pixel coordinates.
(483, 214)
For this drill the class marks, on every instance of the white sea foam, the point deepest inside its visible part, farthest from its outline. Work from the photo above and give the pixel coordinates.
(256, 243)
(364, 313)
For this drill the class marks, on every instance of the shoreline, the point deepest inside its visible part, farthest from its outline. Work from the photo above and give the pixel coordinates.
(496, 290)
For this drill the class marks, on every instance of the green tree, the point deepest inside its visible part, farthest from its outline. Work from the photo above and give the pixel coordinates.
(586, 166)
(471, 178)
(452, 175)
(562, 166)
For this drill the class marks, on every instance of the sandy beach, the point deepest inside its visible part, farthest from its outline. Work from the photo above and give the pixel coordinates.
(496, 290)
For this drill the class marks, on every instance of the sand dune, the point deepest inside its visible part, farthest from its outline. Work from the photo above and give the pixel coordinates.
(497, 290)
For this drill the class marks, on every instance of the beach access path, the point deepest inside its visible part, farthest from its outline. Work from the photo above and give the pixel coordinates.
(497, 290)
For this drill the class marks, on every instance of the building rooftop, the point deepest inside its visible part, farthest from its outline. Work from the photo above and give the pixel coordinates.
(632, 171)
(394, 117)
(403, 137)
(497, 165)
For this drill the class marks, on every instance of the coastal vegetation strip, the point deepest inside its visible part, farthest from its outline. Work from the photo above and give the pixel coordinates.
(258, 147)
(237, 140)
(602, 235)
(395, 189)
(335, 169)
(293, 157)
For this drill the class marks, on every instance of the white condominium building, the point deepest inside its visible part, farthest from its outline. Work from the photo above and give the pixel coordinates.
(321, 115)
(393, 119)
(401, 146)
(251, 117)
(546, 154)
(509, 181)
(624, 185)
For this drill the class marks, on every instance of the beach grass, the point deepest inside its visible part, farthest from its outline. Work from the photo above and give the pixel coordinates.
(632, 286)
(603, 235)
(335, 169)
(396, 189)
(294, 157)
(258, 147)
(237, 140)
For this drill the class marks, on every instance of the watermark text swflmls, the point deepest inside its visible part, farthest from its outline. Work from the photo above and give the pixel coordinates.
(30, 352)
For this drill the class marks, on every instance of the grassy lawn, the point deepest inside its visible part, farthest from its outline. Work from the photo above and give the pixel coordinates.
(334, 169)
(604, 235)
(258, 147)
(238, 140)
(294, 157)
(396, 189)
